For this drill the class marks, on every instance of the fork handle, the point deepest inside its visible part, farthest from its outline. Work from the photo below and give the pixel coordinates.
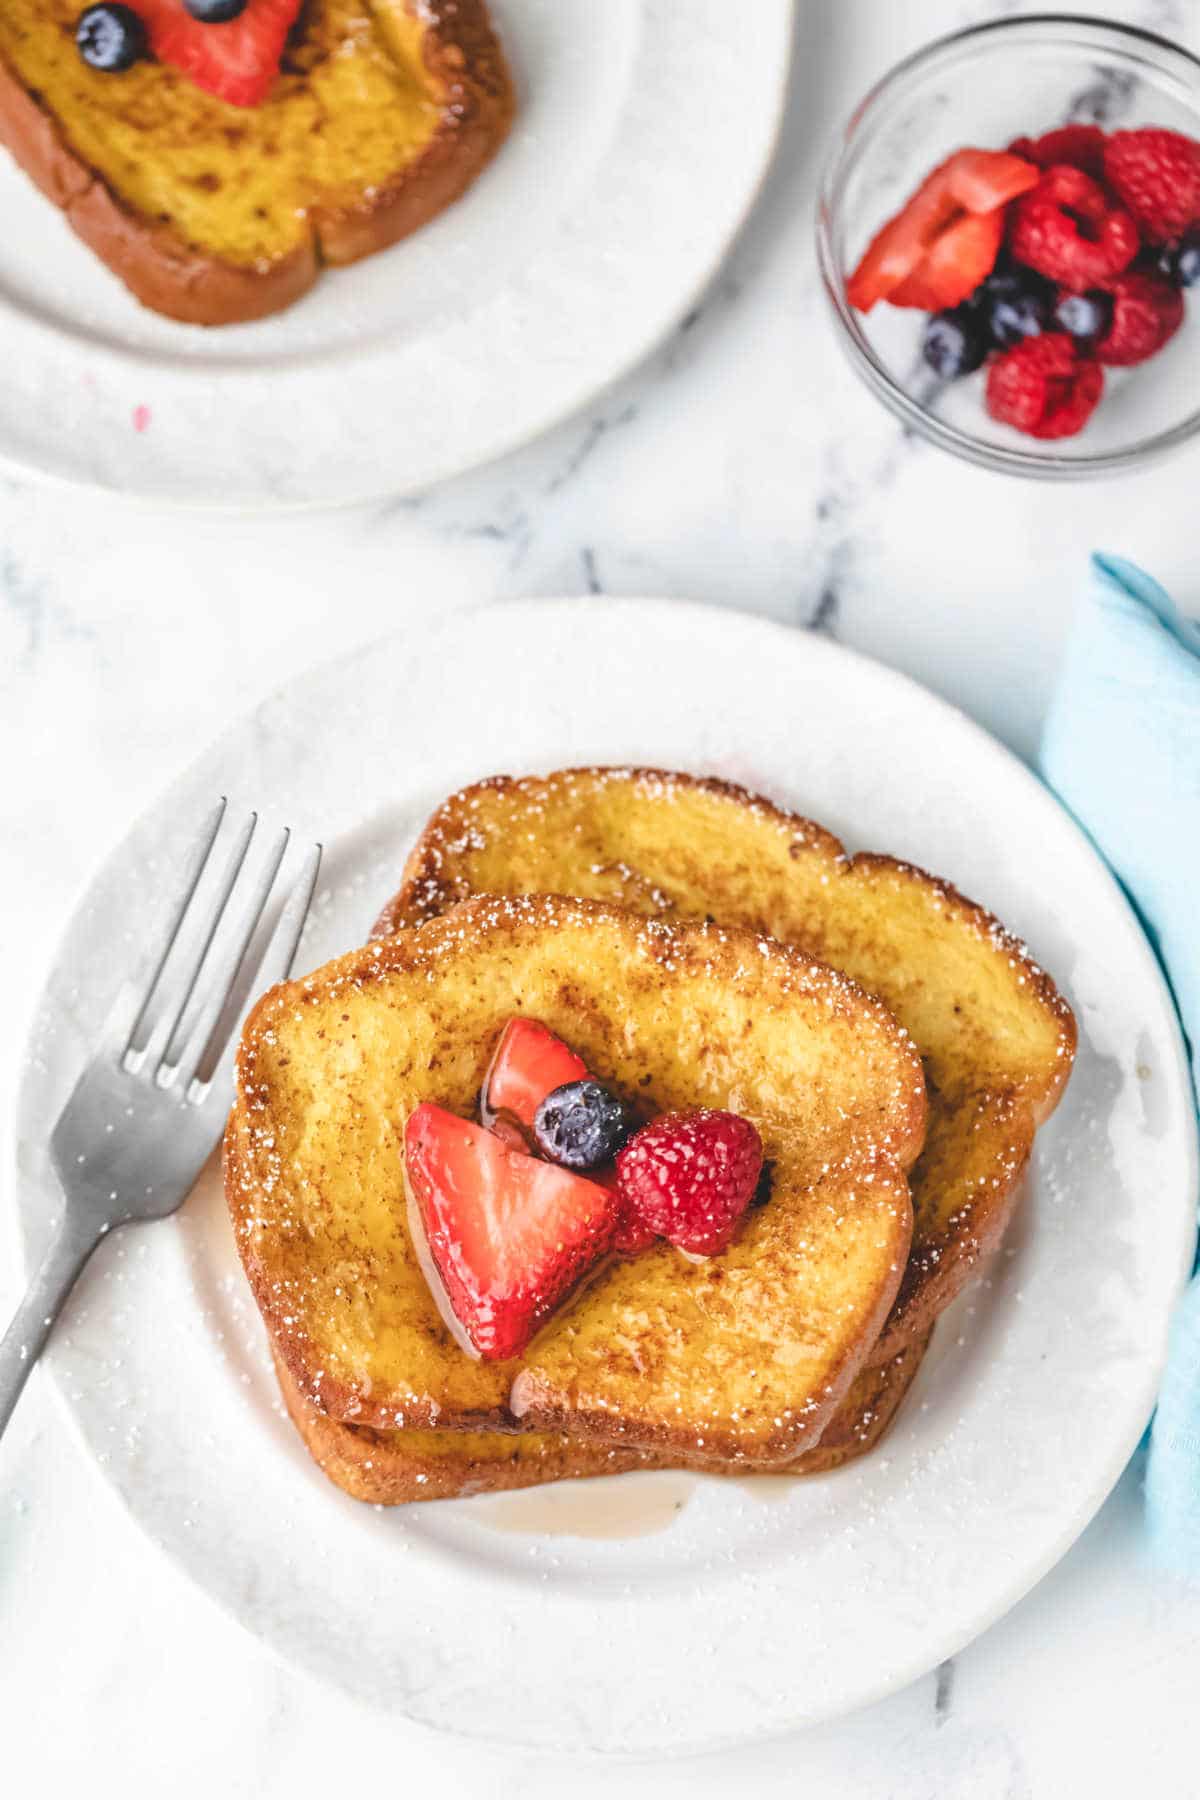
(25, 1338)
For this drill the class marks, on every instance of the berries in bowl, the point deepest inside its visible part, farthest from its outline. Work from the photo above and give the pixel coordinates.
(1009, 235)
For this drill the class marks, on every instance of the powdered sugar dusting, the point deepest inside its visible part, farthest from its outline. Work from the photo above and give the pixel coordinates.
(521, 824)
(276, 1183)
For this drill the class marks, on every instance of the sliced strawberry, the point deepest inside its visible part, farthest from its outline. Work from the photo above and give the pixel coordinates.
(530, 1062)
(981, 180)
(508, 1236)
(509, 1134)
(237, 61)
(963, 256)
(970, 181)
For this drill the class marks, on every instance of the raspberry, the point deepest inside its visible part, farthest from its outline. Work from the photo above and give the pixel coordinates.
(1080, 145)
(1147, 311)
(689, 1177)
(1156, 176)
(1043, 388)
(631, 1236)
(1068, 229)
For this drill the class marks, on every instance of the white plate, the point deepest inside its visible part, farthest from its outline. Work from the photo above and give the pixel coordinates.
(738, 1617)
(644, 131)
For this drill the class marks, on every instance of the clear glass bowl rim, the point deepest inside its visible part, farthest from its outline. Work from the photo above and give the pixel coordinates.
(1118, 41)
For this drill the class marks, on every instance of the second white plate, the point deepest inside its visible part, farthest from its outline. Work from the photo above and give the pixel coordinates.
(644, 131)
(749, 1607)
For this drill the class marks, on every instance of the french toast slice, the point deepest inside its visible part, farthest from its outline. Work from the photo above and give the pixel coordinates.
(744, 1356)
(392, 1468)
(996, 1037)
(383, 112)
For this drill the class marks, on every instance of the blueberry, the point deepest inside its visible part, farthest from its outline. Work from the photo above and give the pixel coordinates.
(110, 38)
(1009, 277)
(955, 343)
(580, 1125)
(1180, 261)
(1011, 321)
(1014, 302)
(1005, 278)
(1084, 316)
(214, 12)
(1017, 305)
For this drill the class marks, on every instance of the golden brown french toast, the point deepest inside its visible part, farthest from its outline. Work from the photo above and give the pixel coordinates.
(382, 114)
(996, 1037)
(391, 1468)
(746, 1355)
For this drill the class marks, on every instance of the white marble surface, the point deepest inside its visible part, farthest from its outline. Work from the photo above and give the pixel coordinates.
(742, 465)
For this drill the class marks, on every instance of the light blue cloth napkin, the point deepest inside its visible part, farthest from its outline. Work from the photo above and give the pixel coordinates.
(1122, 749)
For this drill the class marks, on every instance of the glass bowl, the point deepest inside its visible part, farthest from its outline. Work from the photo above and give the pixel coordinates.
(984, 87)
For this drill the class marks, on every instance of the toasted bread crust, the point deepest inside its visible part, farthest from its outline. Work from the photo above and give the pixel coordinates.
(766, 1338)
(185, 282)
(543, 1400)
(868, 1412)
(961, 1213)
(463, 55)
(394, 1468)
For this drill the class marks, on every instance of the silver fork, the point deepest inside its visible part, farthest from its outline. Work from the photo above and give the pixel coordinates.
(143, 1118)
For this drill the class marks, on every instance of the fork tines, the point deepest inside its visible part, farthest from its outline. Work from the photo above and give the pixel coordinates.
(217, 943)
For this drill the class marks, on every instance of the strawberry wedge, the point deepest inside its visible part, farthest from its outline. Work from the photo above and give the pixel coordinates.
(530, 1062)
(955, 263)
(236, 61)
(944, 241)
(507, 1236)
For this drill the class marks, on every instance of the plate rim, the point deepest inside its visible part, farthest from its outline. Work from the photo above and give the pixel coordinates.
(902, 1673)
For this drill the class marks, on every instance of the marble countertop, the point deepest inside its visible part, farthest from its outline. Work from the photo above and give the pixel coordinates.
(741, 465)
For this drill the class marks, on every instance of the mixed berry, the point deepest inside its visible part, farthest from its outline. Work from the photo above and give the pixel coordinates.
(229, 48)
(516, 1210)
(111, 38)
(580, 1125)
(689, 1177)
(1048, 263)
